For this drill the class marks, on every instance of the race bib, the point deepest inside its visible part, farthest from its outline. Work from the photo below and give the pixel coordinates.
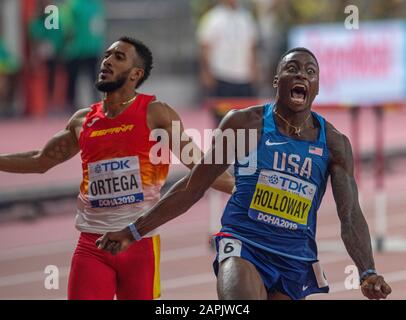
(282, 200)
(115, 182)
(229, 247)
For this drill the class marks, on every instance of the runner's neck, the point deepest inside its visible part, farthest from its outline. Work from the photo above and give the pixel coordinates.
(115, 102)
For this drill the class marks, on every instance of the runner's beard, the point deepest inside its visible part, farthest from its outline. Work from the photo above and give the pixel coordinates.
(110, 86)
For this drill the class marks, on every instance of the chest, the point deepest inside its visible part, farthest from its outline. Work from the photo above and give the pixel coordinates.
(303, 159)
(113, 137)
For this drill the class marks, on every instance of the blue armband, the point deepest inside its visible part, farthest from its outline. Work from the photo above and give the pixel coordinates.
(366, 273)
(134, 232)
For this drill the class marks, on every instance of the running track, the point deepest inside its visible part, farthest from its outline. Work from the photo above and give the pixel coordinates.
(27, 247)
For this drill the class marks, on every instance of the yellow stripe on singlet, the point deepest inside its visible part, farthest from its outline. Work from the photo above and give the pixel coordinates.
(157, 278)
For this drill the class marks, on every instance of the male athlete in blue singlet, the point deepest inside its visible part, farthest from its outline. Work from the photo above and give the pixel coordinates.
(267, 245)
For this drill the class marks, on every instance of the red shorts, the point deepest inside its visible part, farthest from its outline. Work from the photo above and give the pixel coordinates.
(98, 275)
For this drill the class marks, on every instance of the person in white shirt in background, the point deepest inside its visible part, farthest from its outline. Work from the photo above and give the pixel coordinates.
(228, 37)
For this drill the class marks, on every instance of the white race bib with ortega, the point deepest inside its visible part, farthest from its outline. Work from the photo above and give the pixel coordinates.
(115, 182)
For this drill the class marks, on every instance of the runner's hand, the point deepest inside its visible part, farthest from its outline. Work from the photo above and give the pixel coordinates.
(375, 287)
(115, 242)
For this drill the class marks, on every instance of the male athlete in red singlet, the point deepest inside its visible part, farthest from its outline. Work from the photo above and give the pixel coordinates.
(120, 180)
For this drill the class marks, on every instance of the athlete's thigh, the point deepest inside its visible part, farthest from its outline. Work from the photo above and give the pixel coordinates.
(91, 279)
(238, 279)
(138, 271)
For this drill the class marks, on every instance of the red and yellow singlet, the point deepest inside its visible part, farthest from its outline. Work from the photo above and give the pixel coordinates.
(119, 180)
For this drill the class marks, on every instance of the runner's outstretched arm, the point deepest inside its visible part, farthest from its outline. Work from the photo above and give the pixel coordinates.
(162, 116)
(61, 147)
(354, 228)
(182, 195)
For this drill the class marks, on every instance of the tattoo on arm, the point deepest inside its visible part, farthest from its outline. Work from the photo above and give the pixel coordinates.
(60, 148)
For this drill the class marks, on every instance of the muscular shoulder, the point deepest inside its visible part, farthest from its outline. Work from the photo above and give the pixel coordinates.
(160, 115)
(248, 118)
(339, 146)
(78, 118)
(75, 123)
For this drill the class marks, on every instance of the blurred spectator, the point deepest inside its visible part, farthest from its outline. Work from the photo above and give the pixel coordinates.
(83, 23)
(47, 45)
(227, 35)
(8, 69)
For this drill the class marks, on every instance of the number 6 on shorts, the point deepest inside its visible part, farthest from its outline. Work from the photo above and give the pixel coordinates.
(229, 248)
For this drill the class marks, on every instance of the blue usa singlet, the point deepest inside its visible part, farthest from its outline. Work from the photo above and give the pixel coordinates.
(275, 203)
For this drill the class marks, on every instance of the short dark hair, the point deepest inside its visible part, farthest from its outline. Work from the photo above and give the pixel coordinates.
(144, 53)
(297, 49)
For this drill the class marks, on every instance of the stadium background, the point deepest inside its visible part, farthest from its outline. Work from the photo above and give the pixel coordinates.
(37, 211)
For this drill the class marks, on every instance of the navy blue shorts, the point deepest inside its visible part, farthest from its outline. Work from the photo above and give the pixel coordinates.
(294, 278)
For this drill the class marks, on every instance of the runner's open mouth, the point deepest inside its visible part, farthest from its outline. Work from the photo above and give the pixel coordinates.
(298, 93)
